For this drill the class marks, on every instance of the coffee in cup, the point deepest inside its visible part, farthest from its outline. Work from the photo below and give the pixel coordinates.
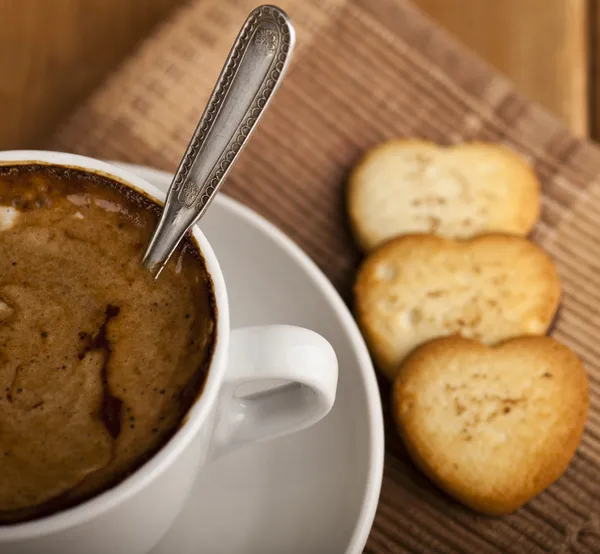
(99, 363)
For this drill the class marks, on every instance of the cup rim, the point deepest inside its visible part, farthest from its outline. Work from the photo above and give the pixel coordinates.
(197, 414)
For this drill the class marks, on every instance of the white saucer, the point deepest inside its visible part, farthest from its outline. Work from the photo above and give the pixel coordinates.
(314, 492)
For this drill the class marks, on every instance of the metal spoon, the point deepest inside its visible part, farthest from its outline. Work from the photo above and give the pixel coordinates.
(252, 73)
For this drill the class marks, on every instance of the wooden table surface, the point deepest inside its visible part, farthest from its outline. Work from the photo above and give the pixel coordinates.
(52, 54)
(542, 45)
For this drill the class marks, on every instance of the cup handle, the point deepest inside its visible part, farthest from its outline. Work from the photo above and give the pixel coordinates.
(301, 358)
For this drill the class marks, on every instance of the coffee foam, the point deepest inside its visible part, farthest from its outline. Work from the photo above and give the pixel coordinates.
(8, 217)
(99, 362)
(6, 310)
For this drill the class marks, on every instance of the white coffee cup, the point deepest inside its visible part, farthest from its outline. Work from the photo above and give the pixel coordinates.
(132, 516)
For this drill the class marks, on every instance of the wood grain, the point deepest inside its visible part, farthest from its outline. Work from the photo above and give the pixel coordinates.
(54, 53)
(542, 45)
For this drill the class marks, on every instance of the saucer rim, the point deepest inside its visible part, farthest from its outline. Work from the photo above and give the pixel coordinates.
(364, 522)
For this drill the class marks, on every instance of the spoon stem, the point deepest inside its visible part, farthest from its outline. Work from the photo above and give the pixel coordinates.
(248, 80)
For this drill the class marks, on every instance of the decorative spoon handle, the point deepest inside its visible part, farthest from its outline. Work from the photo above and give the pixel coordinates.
(252, 73)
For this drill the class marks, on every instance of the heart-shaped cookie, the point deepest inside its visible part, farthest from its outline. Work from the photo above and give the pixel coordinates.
(493, 426)
(415, 186)
(419, 287)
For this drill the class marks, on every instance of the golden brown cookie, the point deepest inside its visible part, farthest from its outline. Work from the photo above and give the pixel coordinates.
(492, 426)
(415, 186)
(419, 287)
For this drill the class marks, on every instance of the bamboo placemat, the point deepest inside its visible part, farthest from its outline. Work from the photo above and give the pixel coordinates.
(365, 71)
